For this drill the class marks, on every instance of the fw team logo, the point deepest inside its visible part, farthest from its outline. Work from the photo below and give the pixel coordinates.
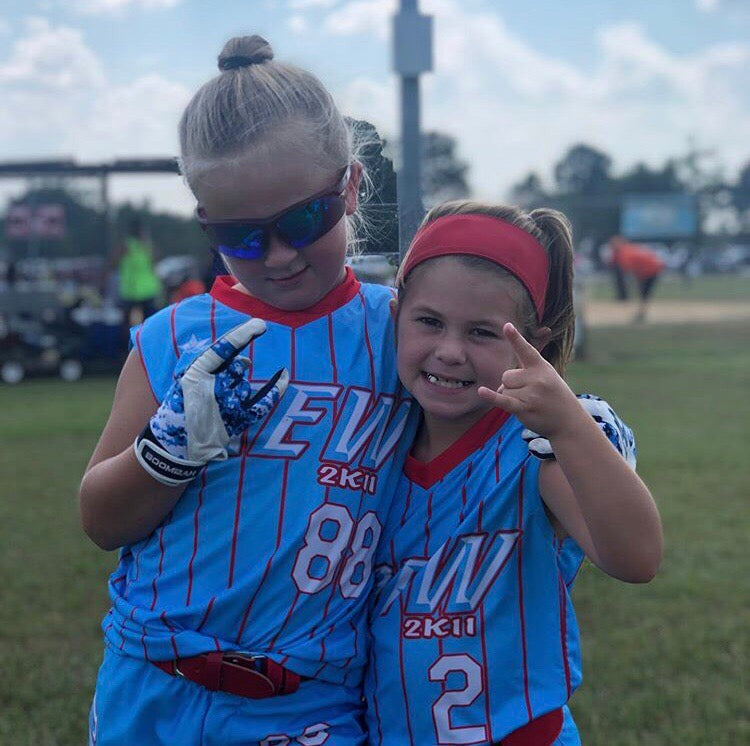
(439, 594)
(365, 431)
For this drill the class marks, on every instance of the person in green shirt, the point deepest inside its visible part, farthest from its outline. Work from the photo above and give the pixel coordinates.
(139, 287)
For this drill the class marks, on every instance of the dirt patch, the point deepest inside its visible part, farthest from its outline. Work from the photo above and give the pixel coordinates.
(612, 313)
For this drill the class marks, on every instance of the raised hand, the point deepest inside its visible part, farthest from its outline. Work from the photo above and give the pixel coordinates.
(207, 405)
(533, 391)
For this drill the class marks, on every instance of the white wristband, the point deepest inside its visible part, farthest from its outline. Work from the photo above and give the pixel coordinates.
(162, 465)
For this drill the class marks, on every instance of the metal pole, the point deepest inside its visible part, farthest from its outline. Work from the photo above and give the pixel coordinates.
(412, 51)
(409, 182)
(106, 228)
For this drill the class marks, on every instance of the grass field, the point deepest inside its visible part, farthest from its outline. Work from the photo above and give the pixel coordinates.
(664, 663)
(673, 286)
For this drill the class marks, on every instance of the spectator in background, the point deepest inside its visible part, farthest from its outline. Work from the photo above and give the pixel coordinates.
(11, 273)
(186, 286)
(645, 265)
(139, 286)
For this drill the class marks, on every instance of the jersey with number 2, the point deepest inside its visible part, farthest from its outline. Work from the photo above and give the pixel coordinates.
(473, 631)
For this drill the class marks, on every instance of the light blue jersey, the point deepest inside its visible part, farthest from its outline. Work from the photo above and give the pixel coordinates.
(473, 630)
(271, 551)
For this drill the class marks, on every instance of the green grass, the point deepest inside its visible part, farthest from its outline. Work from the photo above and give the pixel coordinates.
(664, 663)
(54, 590)
(715, 287)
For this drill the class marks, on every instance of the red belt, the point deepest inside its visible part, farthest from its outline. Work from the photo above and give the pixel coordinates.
(253, 676)
(539, 732)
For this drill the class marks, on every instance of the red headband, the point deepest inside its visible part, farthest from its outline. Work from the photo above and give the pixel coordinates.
(487, 237)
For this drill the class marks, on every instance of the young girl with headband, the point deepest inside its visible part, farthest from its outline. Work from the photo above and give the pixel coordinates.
(474, 638)
(245, 479)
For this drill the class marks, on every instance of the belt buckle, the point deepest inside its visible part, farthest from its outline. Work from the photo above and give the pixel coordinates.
(244, 658)
(176, 669)
(263, 680)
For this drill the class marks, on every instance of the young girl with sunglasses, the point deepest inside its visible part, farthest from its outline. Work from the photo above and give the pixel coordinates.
(474, 635)
(247, 492)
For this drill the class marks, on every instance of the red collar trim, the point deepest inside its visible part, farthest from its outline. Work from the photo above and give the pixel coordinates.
(224, 292)
(427, 473)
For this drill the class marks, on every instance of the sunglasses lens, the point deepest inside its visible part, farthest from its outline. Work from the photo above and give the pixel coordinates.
(306, 224)
(240, 241)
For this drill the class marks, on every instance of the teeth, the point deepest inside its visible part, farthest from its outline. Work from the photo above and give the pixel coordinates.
(444, 383)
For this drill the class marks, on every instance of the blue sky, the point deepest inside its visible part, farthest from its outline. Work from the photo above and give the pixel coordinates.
(515, 82)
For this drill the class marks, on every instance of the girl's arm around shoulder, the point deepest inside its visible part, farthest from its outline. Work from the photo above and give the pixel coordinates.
(119, 502)
(602, 503)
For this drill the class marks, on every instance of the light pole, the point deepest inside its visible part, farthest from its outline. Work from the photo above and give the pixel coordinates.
(412, 55)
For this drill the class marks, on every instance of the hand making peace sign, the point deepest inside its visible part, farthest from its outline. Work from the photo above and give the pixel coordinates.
(533, 391)
(208, 405)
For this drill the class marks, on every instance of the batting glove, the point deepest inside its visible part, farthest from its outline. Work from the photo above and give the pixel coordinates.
(208, 404)
(617, 432)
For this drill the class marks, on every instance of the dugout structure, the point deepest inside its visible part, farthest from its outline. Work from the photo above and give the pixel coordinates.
(68, 168)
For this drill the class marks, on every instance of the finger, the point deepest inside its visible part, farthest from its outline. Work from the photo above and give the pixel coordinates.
(243, 361)
(500, 400)
(526, 353)
(228, 346)
(515, 378)
(541, 448)
(279, 380)
(267, 397)
(529, 435)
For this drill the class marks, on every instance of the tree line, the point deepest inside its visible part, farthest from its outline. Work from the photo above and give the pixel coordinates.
(583, 186)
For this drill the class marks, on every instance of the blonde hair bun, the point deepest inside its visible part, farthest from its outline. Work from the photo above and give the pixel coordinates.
(243, 51)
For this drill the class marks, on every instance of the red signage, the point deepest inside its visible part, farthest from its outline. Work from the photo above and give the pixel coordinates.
(39, 221)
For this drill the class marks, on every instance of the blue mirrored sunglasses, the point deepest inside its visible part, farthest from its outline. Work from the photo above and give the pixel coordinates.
(298, 226)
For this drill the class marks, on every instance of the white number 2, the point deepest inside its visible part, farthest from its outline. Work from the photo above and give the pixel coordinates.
(329, 551)
(441, 710)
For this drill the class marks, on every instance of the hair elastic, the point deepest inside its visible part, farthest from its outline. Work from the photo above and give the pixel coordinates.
(487, 237)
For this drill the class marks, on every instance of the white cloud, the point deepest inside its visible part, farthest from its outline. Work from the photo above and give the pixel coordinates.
(57, 103)
(374, 101)
(361, 17)
(113, 6)
(138, 118)
(514, 108)
(54, 59)
(511, 106)
(707, 6)
(44, 83)
(305, 4)
(297, 24)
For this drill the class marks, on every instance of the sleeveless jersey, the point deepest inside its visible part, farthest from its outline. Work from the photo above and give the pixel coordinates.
(271, 550)
(473, 630)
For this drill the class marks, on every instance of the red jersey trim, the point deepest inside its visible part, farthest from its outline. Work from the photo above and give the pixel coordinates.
(426, 473)
(224, 292)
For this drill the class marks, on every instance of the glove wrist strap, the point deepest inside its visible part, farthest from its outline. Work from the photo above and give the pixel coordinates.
(162, 465)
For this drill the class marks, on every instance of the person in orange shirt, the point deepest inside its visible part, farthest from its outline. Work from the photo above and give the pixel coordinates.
(644, 264)
(188, 287)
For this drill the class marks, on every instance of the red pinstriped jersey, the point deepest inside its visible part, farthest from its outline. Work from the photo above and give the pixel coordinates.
(271, 550)
(473, 631)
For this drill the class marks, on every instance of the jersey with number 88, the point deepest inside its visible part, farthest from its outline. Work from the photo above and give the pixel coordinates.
(330, 534)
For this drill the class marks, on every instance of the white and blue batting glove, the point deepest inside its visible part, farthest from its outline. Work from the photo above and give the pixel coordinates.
(207, 405)
(617, 432)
